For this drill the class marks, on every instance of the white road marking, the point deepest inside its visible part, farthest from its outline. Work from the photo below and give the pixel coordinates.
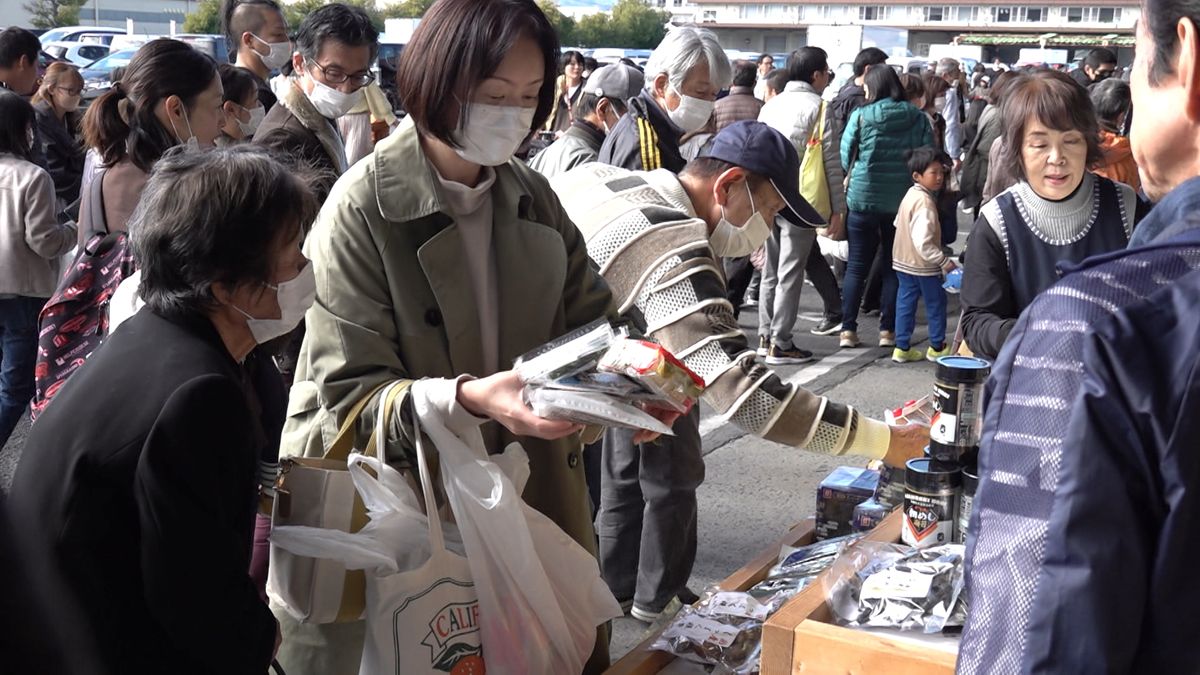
(806, 374)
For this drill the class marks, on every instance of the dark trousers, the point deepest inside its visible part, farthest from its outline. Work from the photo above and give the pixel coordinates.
(821, 275)
(18, 355)
(911, 289)
(647, 520)
(738, 273)
(869, 234)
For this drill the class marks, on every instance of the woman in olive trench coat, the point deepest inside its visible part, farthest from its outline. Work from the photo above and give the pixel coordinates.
(395, 300)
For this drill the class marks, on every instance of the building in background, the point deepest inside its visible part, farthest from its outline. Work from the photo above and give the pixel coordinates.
(150, 17)
(1002, 29)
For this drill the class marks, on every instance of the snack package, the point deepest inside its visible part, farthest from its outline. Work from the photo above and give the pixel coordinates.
(841, 491)
(897, 586)
(799, 567)
(576, 352)
(723, 629)
(953, 283)
(655, 369)
(591, 409)
(919, 411)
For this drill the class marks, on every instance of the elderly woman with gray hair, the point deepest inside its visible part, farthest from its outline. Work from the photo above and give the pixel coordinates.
(146, 508)
(683, 76)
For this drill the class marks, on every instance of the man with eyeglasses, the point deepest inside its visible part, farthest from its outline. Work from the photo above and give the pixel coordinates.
(335, 46)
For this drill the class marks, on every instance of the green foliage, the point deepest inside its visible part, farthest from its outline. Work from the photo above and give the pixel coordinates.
(563, 24)
(295, 12)
(205, 19)
(408, 9)
(633, 25)
(53, 13)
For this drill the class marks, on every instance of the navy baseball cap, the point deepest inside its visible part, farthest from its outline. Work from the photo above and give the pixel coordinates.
(764, 151)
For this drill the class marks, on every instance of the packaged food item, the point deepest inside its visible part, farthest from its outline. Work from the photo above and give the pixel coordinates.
(576, 352)
(919, 411)
(966, 502)
(656, 369)
(957, 426)
(897, 586)
(930, 502)
(592, 409)
(838, 494)
(799, 567)
(723, 629)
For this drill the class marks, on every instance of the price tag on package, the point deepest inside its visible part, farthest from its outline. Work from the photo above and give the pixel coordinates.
(737, 604)
(893, 583)
(699, 630)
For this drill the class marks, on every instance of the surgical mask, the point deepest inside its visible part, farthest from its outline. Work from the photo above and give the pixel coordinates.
(939, 102)
(256, 117)
(489, 135)
(333, 103)
(192, 143)
(280, 54)
(692, 114)
(294, 298)
(731, 241)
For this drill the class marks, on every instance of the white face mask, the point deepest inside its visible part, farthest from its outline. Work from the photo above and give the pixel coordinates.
(692, 113)
(192, 143)
(731, 241)
(256, 117)
(489, 135)
(333, 103)
(294, 298)
(280, 54)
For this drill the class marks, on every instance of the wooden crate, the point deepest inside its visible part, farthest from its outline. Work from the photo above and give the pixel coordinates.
(801, 636)
(646, 661)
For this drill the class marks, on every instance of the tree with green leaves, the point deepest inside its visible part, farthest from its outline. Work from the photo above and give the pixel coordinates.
(53, 13)
(632, 25)
(408, 9)
(563, 24)
(205, 19)
(295, 12)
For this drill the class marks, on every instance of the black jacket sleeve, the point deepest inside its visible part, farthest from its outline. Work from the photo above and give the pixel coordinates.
(989, 309)
(64, 157)
(622, 146)
(195, 492)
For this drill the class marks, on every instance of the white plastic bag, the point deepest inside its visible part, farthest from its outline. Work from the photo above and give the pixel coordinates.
(540, 593)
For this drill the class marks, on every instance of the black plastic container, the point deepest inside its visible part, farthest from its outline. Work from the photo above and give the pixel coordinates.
(930, 502)
(966, 502)
(958, 400)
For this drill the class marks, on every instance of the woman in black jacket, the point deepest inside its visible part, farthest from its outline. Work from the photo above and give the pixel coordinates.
(57, 105)
(138, 483)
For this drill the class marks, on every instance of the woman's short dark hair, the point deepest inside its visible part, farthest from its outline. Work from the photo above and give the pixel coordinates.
(572, 56)
(459, 44)
(934, 85)
(19, 118)
(238, 83)
(1112, 101)
(913, 86)
(213, 217)
(122, 123)
(1058, 102)
(882, 82)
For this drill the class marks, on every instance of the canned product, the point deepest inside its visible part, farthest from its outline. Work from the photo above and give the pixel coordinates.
(930, 502)
(958, 403)
(970, 482)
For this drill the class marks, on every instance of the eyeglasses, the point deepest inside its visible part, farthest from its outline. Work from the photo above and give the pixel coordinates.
(336, 76)
(71, 90)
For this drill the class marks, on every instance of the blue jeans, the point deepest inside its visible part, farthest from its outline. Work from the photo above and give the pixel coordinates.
(913, 288)
(868, 232)
(18, 354)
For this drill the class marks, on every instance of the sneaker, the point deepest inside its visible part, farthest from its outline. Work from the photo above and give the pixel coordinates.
(764, 347)
(827, 327)
(906, 355)
(887, 338)
(644, 615)
(688, 597)
(932, 354)
(848, 338)
(778, 356)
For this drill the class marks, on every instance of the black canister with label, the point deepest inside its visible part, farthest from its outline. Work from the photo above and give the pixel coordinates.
(958, 401)
(930, 502)
(970, 482)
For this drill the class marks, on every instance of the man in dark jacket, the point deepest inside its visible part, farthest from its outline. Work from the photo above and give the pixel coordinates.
(1097, 66)
(853, 96)
(257, 30)
(335, 46)
(683, 76)
(740, 104)
(1086, 528)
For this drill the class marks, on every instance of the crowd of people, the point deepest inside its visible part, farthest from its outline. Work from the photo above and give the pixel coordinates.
(261, 245)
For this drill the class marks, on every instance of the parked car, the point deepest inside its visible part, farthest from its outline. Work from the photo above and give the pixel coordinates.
(97, 77)
(213, 45)
(78, 53)
(98, 34)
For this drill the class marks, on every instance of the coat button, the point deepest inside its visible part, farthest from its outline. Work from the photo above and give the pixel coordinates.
(433, 318)
(573, 459)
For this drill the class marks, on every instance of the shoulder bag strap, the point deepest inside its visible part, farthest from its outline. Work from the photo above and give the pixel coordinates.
(343, 443)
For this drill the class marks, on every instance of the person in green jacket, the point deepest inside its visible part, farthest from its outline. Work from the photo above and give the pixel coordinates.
(874, 144)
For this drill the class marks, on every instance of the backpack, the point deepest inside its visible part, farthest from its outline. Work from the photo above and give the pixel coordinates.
(75, 320)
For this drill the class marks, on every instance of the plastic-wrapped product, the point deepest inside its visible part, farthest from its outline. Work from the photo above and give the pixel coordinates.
(576, 352)
(897, 586)
(591, 408)
(656, 369)
(723, 629)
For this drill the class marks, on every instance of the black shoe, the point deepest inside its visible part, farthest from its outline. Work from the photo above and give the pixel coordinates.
(828, 326)
(688, 597)
(782, 357)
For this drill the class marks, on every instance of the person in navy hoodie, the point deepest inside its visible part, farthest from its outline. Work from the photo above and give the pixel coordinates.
(1083, 544)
